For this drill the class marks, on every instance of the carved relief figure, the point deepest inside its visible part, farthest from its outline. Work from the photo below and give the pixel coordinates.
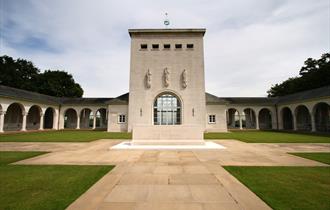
(148, 79)
(184, 79)
(166, 77)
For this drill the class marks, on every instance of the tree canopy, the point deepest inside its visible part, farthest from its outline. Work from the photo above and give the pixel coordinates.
(24, 75)
(314, 74)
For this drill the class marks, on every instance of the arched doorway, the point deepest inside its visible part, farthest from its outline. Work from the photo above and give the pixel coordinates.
(49, 118)
(33, 118)
(250, 118)
(101, 118)
(70, 118)
(232, 118)
(265, 119)
(322, 117)
(167, 109)
(14, 117)
(303, 118)
(86, 118)
(287, 119)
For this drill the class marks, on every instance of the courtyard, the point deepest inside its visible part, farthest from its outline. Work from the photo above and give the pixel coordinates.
(242, 176)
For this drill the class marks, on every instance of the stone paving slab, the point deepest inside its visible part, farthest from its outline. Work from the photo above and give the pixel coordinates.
(169, 179)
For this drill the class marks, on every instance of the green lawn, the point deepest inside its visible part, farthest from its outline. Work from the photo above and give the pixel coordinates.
(285, 188)
(270, 137)
(63, 136)
(43, 187)
(323, 157)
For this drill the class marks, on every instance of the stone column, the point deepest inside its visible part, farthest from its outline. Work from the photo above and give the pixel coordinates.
(2, 120)
(240, 122)
(24, 121)
(294, 122)
(313, 122)
(78, 121)
(94, 121)
(257, 121)
(41, 127)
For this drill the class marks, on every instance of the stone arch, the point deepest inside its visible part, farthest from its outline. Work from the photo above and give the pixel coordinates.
(303, 118)
(232, 118)
(321, 113)
(49, 118)
(33, 118)
(250, 118)
(70, 118)
(14, 117)
(101, 118)
(167, 109)
(86, 118)
(265, 119)
(287, 118)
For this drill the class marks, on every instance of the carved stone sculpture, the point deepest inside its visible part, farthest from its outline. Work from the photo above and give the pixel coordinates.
(148, 79)
(166, 77)
(184, 79)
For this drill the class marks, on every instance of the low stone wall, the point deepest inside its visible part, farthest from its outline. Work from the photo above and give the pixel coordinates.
(168, 134)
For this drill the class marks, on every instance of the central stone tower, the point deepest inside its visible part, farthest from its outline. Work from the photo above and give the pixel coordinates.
(167, 87)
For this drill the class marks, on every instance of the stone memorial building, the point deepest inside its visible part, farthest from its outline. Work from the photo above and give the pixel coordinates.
(167, 102)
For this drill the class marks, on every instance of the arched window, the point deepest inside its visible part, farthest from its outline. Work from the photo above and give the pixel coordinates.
(167, 110)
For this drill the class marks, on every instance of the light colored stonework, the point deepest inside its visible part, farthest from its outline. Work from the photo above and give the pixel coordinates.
(169, 179)
(169, 67)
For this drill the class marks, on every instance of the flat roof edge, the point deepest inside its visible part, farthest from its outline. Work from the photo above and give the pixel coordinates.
(167, 30)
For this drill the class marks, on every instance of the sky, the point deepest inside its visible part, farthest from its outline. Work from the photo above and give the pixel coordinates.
(248, 46)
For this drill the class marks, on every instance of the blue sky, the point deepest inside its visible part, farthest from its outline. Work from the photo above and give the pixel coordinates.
(249, 44)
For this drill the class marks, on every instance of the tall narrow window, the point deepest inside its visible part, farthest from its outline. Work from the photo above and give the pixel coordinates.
(167, 110)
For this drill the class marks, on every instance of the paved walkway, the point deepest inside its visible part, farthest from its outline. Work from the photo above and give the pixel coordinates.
(160, 180)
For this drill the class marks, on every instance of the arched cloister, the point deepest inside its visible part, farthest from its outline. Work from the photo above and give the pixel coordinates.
(86, 118)
(232, 118)
(250, 118)
(70, 118)
(49, 118)
(101, 118)
(303, 118)
(33, 118)
(287, 118)
(265, 119)
(14, 117)
(322, 117)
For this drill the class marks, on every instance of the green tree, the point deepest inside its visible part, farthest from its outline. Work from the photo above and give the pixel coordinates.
(314, 74)
(24, 75)
(18, 73)
(59, 83)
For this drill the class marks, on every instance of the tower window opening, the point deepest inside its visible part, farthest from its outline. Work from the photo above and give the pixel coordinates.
(178, 46)
(190, 46)
(167, 46)
(144, 46)
(155, 46)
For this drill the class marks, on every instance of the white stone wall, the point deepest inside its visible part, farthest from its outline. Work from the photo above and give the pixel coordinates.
(220, 124)
(192, 97)
(113, 122)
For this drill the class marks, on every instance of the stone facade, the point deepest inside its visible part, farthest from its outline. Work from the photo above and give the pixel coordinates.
(169, 66)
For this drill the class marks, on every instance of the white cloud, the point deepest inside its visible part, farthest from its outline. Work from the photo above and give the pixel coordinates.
(249, 45)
